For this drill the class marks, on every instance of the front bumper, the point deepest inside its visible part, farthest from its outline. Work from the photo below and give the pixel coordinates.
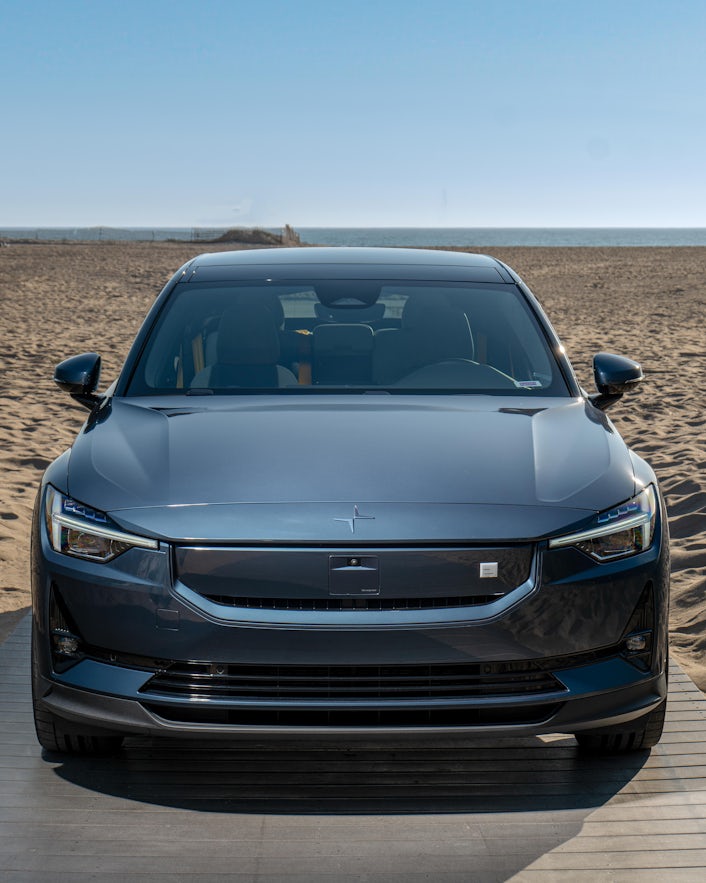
(135, 620)
(624, 700)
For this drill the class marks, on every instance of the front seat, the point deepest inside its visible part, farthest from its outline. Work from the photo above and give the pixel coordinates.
(247, 352)
(432, 331)
(341, 354)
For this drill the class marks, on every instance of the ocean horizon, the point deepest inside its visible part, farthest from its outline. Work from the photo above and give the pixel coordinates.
(463, 237)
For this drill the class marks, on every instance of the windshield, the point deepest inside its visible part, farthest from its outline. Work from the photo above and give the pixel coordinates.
(350, 335)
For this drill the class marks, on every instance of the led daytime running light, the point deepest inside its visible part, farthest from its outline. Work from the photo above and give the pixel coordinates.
(83, 532)
(98, 530)
(605, 531)
(625, 530)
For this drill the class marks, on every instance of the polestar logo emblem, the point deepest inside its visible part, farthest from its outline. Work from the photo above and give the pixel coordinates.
(356, 517)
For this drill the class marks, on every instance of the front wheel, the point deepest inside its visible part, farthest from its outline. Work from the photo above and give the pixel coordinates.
(58, 735)
(645, 732)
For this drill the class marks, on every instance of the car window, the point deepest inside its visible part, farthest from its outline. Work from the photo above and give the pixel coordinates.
(346, 335)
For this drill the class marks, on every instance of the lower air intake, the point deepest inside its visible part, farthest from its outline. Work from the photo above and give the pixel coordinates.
(351, 719)
(219, 681)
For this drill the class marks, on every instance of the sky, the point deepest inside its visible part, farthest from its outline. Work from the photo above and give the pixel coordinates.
(496, 113)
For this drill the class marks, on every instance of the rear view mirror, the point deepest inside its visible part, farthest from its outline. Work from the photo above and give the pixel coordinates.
(614, 376)
(79, 376)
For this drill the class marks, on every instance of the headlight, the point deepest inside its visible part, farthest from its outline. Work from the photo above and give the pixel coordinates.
(625, 530)
(78, 530)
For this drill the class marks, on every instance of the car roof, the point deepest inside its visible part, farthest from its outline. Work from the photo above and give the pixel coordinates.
(346, 262)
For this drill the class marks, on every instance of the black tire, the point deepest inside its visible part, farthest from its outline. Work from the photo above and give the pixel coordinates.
(61, 736)
(57, 735)
(645, 732)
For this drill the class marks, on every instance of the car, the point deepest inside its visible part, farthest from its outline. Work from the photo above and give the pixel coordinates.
(348, 493)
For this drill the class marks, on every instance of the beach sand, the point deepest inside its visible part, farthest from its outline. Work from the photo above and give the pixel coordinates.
(647, 303)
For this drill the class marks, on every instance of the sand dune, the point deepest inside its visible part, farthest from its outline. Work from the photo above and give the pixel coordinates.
(647, 303)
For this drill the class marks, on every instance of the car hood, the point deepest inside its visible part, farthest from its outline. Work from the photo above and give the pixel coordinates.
(293, 468)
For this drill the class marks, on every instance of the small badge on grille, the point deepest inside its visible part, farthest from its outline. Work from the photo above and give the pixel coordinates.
(488, 569)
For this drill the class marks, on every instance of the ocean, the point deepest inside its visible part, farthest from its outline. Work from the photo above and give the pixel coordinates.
(481, 237)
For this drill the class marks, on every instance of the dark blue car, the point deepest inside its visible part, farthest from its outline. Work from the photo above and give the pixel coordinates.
(348, 492)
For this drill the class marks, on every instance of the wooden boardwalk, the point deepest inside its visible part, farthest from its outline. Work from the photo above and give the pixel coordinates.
(525, 809)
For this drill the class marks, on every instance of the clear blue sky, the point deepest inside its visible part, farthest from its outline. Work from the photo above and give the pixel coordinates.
(327, 113)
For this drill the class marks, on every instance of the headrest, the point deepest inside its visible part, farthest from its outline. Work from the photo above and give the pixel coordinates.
(443, 331)
(418, 311)
(248, 336)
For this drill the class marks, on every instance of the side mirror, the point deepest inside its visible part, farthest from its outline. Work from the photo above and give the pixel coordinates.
(614, 376)
(79, 376)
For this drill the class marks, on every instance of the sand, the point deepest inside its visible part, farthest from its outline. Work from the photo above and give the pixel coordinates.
(647, 303)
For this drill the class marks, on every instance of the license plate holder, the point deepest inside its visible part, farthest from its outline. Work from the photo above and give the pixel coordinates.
(354, 575)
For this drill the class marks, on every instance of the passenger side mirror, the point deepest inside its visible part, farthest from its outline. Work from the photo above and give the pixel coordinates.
(79, 376)
(614, 376)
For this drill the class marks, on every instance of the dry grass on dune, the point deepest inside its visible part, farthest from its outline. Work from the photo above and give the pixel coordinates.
(648, 303)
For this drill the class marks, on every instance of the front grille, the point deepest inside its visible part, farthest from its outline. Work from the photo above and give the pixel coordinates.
(314, 578)
(310, 604)
(191, 680)
(352, 719)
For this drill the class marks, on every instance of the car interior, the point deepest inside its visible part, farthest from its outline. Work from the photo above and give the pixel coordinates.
(326, 335)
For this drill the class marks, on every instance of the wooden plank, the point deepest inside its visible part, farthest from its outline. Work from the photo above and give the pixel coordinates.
(483, 809)
(646, 875)
(635, 861)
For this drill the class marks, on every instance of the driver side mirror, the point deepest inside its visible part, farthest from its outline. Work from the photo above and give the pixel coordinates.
(79, 376)
(614, 376)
